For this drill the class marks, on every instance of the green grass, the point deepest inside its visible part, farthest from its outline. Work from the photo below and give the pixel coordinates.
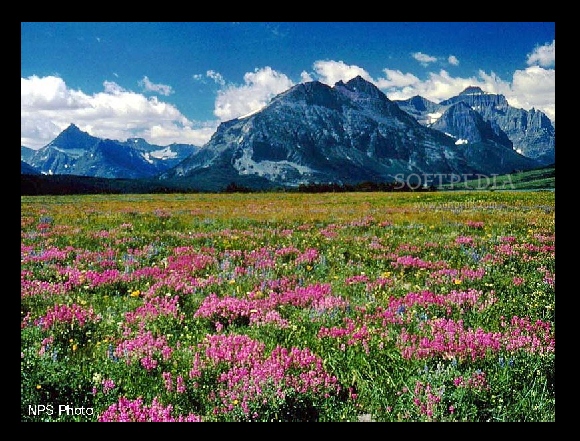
(537, 179)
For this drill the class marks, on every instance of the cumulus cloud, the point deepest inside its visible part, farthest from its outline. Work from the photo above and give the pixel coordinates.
(161, 89)
(258, 89)
(395, 79)
(544, 56)
(305, 77)
(48, 106)
(452, 59)
(436, 87)
(330, 72)
(424, 59)
(535, 87)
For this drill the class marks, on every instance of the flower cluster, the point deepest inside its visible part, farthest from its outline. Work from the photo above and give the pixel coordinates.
(146, 348)
(253, 380)
(72, 315)
(135, 411)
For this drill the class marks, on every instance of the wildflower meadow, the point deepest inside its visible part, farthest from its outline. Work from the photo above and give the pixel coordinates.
(388, 307)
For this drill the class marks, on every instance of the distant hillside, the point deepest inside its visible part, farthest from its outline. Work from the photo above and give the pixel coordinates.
(34, 184)
(543, 178)
(31, 185)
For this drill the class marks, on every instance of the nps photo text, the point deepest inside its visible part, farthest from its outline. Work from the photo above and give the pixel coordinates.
(58, 409)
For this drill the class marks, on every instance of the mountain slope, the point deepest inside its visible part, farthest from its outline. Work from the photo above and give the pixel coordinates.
(27, 169)
(348, 133)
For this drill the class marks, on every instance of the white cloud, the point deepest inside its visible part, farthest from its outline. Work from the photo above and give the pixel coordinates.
(535, 87)
(437, 87)
(544, 56)
(305, 77)
(424, 59)
(452, 59)
(397, 79)
(217, 77)
(330, 72)
(259, 88)
(161, 89)
(48, 106)
(165, 134)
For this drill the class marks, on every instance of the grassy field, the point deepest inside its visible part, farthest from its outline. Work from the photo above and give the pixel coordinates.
(538, 179)
(388, 307)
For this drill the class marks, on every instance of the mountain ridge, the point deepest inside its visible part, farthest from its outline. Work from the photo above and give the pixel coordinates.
(74, 152)
(348, 133)
(531, 132)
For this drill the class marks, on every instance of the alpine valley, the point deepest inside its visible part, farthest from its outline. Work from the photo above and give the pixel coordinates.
(316, 134)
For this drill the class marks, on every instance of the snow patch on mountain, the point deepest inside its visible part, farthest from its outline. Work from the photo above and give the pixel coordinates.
(432, 117)
(272, 170)
(458, 141)
(165, 153)
(250, 113)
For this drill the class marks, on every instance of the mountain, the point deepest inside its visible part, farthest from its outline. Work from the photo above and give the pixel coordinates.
(27, 169)
(424, 111)
(531, 132)
(74, 152)
(348, 133)
(26, 153)
(462, 122)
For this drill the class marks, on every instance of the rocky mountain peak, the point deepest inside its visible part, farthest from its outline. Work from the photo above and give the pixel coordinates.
(359, 88)
(312, 93)
(360, 85)
(472, 90)
(73, 138)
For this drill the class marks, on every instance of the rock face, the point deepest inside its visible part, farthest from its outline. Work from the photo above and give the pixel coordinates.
(531, 132)
(468, 126)
(424, 111)
(349, 133)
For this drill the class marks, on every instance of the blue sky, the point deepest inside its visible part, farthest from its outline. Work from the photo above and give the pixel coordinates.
(173, 82)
